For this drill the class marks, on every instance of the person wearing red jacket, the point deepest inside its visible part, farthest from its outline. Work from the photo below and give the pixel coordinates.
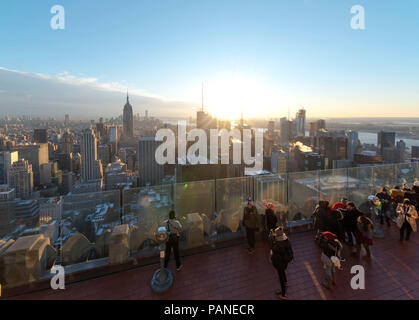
(343, 204)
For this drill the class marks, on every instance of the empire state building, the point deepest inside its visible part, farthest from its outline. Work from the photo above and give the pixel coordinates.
(128, 120)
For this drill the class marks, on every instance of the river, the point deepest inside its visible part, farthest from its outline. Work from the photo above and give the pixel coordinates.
(371, 138)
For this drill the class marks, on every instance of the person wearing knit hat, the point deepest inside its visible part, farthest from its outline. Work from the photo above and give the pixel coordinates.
(281, 255)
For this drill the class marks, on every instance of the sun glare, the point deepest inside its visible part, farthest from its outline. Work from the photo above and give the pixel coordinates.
(228, 96)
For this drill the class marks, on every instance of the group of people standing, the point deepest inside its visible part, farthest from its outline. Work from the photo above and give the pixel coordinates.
(344, 222)
(334, 225)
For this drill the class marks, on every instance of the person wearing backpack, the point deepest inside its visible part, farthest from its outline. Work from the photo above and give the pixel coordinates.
(174, 228)
(281, 254)
(330, 257)
(251, 223)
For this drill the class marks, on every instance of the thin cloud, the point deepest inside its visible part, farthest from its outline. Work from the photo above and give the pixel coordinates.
(85, 96)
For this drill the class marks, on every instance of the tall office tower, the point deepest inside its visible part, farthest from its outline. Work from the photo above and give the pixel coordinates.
(128, 120)
(45, 173)
(67, 142)
(353, 143)
(150, 171)
(400, 152)
(271, 126)
(312, 128)
(6, 160)
(113, 138)
(146, 114)
(101, 130)
(40, 136)
(415, 152)
(65, 161)
(321, 124)
(385, 140)
(66, 120)
(90, 165)
(36, 154)
(300, 121)
(284, 131)
(21, 178)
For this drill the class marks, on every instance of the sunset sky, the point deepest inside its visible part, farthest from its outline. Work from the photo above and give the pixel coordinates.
(260, 57)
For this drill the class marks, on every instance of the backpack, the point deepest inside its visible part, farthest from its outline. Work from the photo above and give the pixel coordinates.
(173, 237)
(281, 254)
(328, 243)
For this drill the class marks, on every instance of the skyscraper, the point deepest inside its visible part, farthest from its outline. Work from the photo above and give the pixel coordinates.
(150, 171)
(21, 178)
(6, 160)
(353, 143)
(300, 121)
(128, 120)
(90, 165)
(385, 140)
(36, 154)
(40, 136)
(66, 120)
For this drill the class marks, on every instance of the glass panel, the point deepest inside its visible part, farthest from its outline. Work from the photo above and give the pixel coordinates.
(360, 184)
(195, 209)
(333, 185)
(144, 211)
(385, 176)
(86, 224)
(303, 194)
(406, 174)
(231, 197)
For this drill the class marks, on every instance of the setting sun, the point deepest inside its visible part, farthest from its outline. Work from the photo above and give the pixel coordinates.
(226, 97)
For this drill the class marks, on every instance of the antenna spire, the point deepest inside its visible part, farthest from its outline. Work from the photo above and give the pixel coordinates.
(202, 97)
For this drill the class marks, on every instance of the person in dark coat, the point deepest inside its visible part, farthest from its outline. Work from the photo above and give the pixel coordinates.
(271, 219)
(334, 224)
(281, 254)
(386, 201)
(350, 221)
(251, 223)
(320, 214)
(415, 188)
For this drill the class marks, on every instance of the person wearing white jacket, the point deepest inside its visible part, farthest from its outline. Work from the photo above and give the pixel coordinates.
(406, 220)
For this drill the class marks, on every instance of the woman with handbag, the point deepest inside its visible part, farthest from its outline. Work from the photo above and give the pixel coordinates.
(174, 228)
(281, 254)
(364, 234)
(406, 220)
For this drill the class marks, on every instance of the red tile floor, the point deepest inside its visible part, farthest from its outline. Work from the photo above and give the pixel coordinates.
(231, 273)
